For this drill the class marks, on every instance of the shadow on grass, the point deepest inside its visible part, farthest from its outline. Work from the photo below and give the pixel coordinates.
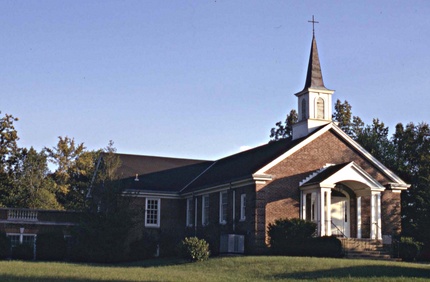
(143, 263)
(360, 272)
(45, 279)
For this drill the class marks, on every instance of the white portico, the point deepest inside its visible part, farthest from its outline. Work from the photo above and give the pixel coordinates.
(327, 196)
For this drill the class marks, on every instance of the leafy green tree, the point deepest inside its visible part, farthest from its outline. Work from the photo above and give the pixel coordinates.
(8, 140)
(374, 138)
(284, 130)
(412, 163)
(31, 188)
(102, 234)
(351, 125)
(74, 169)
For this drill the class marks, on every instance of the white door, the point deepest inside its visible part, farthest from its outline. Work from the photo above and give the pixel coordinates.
(340, 216)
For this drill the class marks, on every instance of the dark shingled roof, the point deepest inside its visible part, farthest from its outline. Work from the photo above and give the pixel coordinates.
(158, 174)
(241, 165)
(135, 164)
(171, 180)
(314, 77)
(329, 171)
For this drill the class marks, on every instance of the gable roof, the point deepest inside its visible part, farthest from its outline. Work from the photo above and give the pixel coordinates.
(240, 166)
(183, 176)
(135, 164)
(346, 138)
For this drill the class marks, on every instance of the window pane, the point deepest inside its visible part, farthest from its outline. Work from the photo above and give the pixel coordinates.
(152, 212)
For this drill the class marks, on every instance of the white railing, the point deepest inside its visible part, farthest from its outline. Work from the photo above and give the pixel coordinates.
(21, 214)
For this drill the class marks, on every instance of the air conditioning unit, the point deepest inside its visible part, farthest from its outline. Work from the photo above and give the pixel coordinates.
(232, 244)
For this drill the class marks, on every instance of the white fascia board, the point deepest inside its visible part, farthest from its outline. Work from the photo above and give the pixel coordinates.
(291, 151)
(152, 194)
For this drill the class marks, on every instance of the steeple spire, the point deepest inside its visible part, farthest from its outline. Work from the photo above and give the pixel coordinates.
(314, 77)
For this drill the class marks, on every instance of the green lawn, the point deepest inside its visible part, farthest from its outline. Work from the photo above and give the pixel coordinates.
(220, 269)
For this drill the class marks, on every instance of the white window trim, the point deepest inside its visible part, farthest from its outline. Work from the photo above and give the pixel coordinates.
(205, 200)
(221, 221)
(21, 236)
(242, 207)
(189, 212)
(158, 212)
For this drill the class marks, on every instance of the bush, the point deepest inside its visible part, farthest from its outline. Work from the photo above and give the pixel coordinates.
(51, 247)
(408, 248)
(143, 248)
(327, 246)
(289, 235)
(23, 252)
(4, 246)
(194, 249)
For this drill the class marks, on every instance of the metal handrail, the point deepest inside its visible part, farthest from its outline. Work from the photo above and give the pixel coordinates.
(343, 234)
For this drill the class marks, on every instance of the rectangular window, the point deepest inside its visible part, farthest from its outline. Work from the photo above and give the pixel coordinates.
(190, 212)
(242, 207)
(14, 240)
(152, 212)
(205, 210)
(223, 207)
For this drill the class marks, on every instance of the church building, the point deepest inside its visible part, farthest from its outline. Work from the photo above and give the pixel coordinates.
(319, 174)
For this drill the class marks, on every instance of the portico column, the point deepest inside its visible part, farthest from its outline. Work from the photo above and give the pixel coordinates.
(359, 217)
(320, 213)
(303, 209)
(375, 216)
(379, 226)
(328, 210)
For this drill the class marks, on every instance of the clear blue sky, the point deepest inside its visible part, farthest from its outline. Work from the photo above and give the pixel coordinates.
(200, 79)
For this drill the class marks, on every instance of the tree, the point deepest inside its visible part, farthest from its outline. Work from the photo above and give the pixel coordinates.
(102, 234)
(285, 130)
(30, 186)
(351, 125)
(374, 138)
(411, 145)
(8, 140)
(75, 167)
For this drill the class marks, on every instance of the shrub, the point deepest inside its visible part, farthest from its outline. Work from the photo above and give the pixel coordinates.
(51, 246)
(23, 252)
(194, 249)
(143, 248)
(408, 248)
(289, 235)
(4, 246)
(327, 246)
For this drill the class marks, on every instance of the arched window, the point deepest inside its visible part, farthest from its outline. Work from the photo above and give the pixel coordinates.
(320, 108)
(303, 109)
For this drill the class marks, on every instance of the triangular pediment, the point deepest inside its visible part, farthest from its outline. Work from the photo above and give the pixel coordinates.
(350, 173)
(394, 180)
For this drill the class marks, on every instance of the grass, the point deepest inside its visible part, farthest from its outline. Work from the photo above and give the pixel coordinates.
(252, 268)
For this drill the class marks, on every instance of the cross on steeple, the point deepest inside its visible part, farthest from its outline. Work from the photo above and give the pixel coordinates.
(313, 24)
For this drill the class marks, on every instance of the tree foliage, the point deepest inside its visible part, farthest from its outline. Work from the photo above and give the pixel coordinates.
(30, 187)
(74, 169)
(412, 162)
(284, 130)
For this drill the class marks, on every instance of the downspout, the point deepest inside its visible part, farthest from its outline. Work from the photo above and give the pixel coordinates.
(195, 215)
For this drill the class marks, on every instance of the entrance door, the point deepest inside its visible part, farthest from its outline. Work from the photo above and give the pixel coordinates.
(340, 216)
